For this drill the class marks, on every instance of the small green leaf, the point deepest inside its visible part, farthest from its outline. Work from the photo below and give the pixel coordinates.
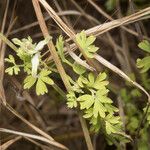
(110, 128)
(113, 119)
(86, 43)
(41, 88)
(43, 78)
(17, 41)
(13, 70)
(144, 45)
(60, 47)
(110, 108)
(47, 80)
(9, 71)
(88, 113)
(29, 81)
(144, 64)
(99, 109)
(10, 59)
(81, 81)
(16, 70)
(78, 68)
(91, 78)
(86, 101)
(90, 40)
(44, 73)
(71, 100)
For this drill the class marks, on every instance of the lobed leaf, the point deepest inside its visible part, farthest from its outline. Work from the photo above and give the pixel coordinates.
(144, 45)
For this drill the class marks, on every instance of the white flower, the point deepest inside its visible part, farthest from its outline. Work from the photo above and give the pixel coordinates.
(41, 44)
(35, 63)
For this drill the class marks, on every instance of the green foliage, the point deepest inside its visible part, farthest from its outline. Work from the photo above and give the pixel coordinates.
(60, 49)
(71, 100)
(145, 80)
(29, 82)
(88, 92)
(134, 116)
(14, 69)
(145, 46)
(86, 43)
(30, 58)
(146, 109)
(145, 65)
(42, 80)
(145, 62)
(77, 68)
(96, 105)
(110, 4)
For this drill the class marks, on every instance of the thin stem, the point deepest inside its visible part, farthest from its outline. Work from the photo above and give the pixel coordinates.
(8, 42)
(86, 132)
(59, 90)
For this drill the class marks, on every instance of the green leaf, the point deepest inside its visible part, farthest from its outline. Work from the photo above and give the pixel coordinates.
(41, 88)
(71, 100)
(44, 73)
(81, 81)
(86, 101)
(47, 80)
(78, 68)
(144, 64)
(99, 109)
(110, 128)
(91, 79)
(100, 83)
(101, 77)
(10, 59)
(110, 4)
(43, 78)
(144, 45)
(133, 123)
(16, 70)
(9, 71)
(60, 47)
(90, 40)
(110, 108)
(29, 81)
(88, 113)
(102, 96)
(13, 70)
(17, 41)
(86, 43)
(113, 119)
(96, 124)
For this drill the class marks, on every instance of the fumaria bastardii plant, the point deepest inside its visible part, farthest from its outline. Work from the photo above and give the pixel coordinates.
(89, 91)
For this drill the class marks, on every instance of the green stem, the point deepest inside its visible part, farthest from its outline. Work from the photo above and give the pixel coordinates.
(8, 42)
(85, 131)
(59, 90)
